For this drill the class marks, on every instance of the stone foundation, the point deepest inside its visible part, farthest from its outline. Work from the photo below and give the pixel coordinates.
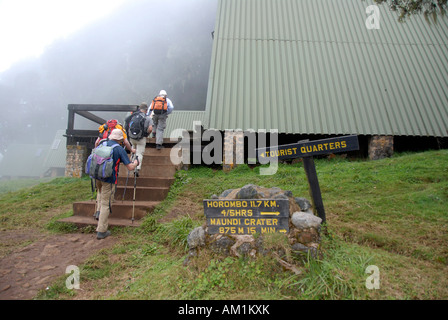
(75, 161)
(233, 149)
(303, 235)
(381, 147)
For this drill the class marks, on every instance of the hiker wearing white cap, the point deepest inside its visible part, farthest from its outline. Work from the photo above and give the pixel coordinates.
(160, 108)
(106, 187)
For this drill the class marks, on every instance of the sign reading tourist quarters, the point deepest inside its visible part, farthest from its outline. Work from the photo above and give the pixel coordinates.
(307, 149)
(248, 216)
(310, 148)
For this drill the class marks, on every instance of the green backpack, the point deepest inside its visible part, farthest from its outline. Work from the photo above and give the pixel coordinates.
(100, 162)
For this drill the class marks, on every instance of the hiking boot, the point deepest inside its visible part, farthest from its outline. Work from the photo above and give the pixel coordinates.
(159, 147)
(96, 215)
(102, 235)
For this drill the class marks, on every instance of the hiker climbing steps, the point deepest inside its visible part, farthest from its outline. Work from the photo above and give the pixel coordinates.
(152, 187)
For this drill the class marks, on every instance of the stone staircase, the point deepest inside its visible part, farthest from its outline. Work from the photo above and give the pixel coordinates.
(152, 187)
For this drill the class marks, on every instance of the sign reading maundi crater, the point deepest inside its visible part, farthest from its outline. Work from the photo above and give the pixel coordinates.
(248, 216)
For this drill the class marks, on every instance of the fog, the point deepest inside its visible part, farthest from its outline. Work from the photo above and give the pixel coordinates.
(125, 58)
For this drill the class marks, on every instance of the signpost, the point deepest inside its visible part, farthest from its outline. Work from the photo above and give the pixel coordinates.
(307, 149)
(247, 216)
(250, 216)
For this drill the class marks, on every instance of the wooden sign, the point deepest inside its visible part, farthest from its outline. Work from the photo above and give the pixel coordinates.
(310, 148)
(307, 149)
(249, 216)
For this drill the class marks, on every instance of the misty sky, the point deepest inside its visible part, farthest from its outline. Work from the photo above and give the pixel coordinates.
(98, 52)
(28, 26)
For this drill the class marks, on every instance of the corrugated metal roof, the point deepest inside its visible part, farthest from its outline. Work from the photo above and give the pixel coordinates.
(313, 67)
(57, 154)
(184, 120)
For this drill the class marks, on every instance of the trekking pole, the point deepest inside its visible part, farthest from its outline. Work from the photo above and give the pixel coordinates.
(135, 187)
(127, 179)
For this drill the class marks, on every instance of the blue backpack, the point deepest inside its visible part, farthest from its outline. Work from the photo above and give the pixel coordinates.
(100, 162)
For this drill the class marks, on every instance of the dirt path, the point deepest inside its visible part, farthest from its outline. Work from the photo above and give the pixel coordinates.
(26, 269)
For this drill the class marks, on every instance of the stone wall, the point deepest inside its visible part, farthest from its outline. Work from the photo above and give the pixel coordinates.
(233, 149)
(76, 160)
(304, 227)
(381, 147)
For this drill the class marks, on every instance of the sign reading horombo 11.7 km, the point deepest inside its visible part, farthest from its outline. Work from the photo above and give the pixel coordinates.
(247, 216)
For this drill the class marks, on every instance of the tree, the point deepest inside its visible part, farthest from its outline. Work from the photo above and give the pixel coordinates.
(407, 8)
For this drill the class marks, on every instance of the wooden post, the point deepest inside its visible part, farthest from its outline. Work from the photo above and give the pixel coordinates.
(307, 149)
(311, 174)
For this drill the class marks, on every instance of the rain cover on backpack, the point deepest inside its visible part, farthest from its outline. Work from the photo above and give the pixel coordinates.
(137, 126)
(100, 163)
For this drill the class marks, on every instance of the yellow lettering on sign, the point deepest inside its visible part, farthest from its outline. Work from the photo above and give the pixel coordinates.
(337, 145)
(268, 230)
(344, 144)
(251, 230)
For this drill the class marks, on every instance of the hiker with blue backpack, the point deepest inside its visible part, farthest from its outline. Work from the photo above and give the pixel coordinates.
(138, 127)
(103, 165)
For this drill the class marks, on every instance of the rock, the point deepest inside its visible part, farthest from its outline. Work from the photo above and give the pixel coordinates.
(247, 192)
(299, 248)
(303, 203)
(280, 197)
(307, 236)
(222, 245)
(226, 193)
(196, 238)
(243, 245)
(288, 193)
(274, 190)
(304, 220)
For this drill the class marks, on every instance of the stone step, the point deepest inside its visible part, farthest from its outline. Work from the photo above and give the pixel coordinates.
(120, 209)
(152, 186)
(86, 221)
(158, 170)
(141, 193)
(156, 159)
(154, 152)
(167, 142)
(162, 182)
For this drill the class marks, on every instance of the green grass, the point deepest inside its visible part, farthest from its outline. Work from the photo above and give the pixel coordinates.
(390, 213)
(34, 207)
(17, 184)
